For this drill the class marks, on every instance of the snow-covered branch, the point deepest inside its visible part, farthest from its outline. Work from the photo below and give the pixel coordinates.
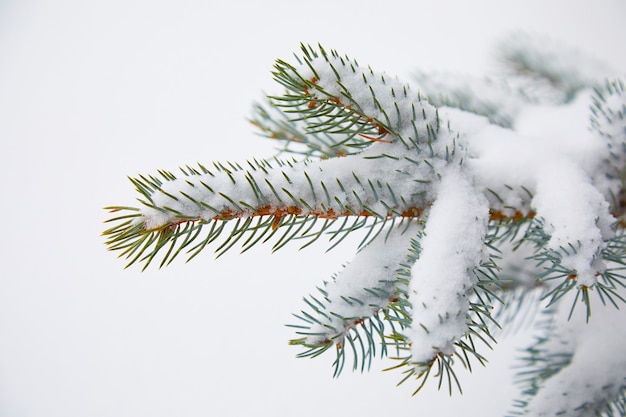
(489, 188)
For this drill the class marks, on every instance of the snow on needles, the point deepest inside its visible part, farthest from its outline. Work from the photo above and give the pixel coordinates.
(555, 171)
(366, 284)
(443, 276)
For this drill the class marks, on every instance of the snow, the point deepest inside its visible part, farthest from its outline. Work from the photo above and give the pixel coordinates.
(452, 247)
(576, 214)
(550, 170)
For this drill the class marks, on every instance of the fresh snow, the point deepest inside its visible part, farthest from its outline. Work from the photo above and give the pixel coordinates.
(443, 276)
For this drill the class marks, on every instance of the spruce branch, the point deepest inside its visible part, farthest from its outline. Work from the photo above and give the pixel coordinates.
(344, 315)
(294, 193)
(312, 136)
(466, 218)
(300, 199)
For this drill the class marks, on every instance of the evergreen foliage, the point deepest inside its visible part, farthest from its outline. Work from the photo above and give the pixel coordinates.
(468, 217)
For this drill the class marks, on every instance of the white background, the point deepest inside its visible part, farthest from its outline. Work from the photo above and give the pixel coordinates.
(92, 91)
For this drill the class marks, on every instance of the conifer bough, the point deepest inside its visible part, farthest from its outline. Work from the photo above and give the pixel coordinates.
(475, 198)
